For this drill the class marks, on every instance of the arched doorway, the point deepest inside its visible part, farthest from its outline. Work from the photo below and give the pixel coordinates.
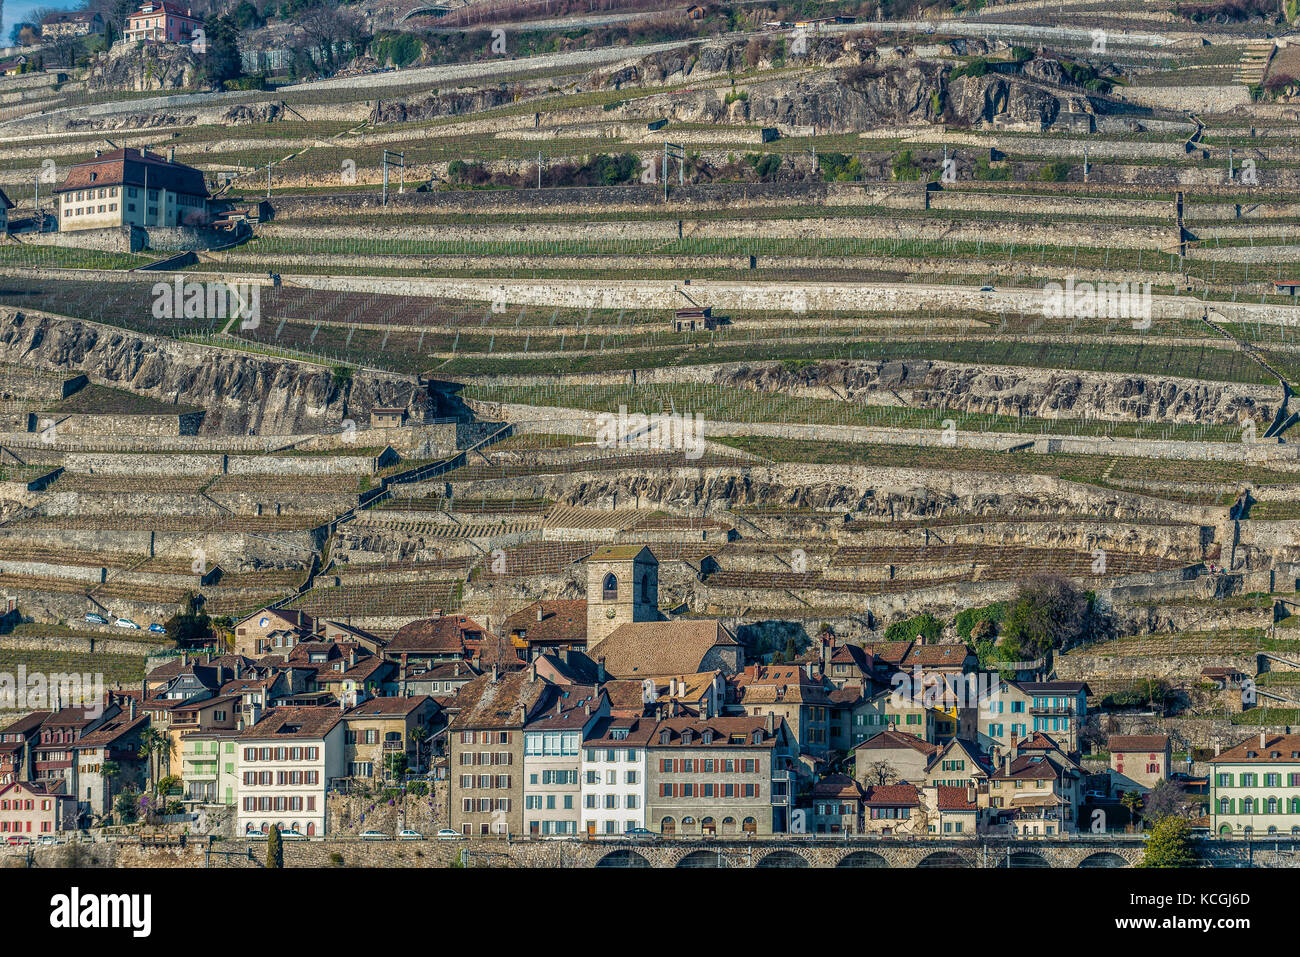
(708, 828)
(750, 826)
(729, 825)
(668, 826)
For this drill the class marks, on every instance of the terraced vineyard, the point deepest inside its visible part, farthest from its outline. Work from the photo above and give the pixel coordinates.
(890, 327)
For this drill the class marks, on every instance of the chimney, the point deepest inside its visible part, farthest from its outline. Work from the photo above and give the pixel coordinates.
(600, 669)
(808, 668)
(1008, 764)
(771, 723)
(970, 793)
(1216, 748)
(1262, 743)
(920, 638)
(540, 613)
(587, 709)
(496, 674)
(130, 709)
(532, 671)
(672, 688)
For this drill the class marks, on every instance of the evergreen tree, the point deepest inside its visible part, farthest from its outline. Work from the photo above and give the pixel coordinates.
(275, 848)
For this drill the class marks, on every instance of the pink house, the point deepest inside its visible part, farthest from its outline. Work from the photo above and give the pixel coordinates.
(158, 21)
(30, 809)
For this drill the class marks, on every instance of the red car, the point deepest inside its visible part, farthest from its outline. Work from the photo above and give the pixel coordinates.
(18, 839)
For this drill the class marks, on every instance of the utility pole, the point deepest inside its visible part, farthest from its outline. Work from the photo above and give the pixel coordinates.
(539, 169)
(677, 152)
(400, 163)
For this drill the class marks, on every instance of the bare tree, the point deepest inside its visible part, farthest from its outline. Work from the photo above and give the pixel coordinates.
(881, 772)
(328, 29)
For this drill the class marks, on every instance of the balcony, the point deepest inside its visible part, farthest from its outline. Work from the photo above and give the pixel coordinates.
(1065, 709)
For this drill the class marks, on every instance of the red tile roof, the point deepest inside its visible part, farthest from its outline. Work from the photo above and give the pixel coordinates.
(131, 167)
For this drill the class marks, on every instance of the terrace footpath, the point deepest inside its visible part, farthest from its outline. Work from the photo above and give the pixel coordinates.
(1262, 452)
(765, 296)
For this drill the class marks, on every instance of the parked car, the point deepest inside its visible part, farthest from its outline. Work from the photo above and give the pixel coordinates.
(447, 834)
(96, 619)
(15, 840)
(986, 288)
(406, 834)
(293, 835)
(375, 836)
(157, 629)
(639, 833)
(48, 839)
(1095, 794)
(127, 623)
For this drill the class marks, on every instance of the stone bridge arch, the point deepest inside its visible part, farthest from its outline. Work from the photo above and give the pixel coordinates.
(782, 858)
(945, 857)
(623, 857)
(1022, 859)
(1104, 859)
(701, 857)
(862, 859)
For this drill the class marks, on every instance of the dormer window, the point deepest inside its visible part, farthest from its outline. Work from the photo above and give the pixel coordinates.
(758, 737)
(686, 736)
(665, 736)
(1252, 754)
(706, 737)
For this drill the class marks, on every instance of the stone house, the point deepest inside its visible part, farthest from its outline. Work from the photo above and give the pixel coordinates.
(1138, 762)
(486, 750)
(724, 776)
(380, 732)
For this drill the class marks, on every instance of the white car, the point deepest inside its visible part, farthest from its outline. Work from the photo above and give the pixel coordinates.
(408, 835)
(447, 834)
(127, 623)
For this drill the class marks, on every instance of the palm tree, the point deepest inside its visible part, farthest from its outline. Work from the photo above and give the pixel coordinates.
(418, 735)
(154, 743)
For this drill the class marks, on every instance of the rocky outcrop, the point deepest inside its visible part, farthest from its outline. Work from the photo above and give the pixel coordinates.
(442, 104)
(1004, 391)
(247, 113)
(241, 393)
(131, 121)
(154, 66)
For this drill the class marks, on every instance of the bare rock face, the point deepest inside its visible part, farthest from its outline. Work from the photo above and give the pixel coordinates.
(240, 393)
(131, 121)
(155, 66)
(1029, 392)
(247, 113)
(442, 104)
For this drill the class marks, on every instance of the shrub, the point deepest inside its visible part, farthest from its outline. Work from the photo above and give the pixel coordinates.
(926, 625)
